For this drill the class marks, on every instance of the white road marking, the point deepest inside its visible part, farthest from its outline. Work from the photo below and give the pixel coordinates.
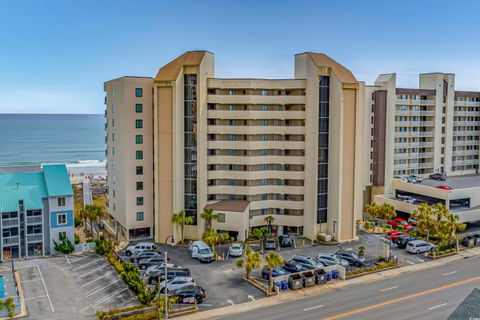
(66, 258)
(410, 262)
(36, 297)
(386, 289)
(312, 308)
(83, 266)
(100, 289)
(126, 302)
(231, 302)
(251, 297)
(45, 286)
(78, 259)
(27, 281)
(449, 273)
(440, 305)
(90, 282)
(89, 272)
(420, 260)
(109, 297)
(204, 305)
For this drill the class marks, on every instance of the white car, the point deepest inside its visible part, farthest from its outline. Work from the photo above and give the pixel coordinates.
(177, 283)
(419, 246)
(161, 266)
(235, 250)
(139, 247)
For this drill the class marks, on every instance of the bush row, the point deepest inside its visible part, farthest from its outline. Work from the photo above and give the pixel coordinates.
(380, 266)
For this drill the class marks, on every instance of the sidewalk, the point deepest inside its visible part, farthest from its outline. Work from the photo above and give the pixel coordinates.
(307, 292)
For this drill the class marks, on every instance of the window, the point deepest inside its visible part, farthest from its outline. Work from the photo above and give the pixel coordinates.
(139, 155)
(138, 92)
(221, 217)
(138, 124)
(113, 136)
(139, 139)
(113, 151)
(139, 201)
(139, 170)
(62, 235)
(113, 123)
(140, 216)
(264, 122)
(61, 218)
(61, 201)
(139, 185)
(138, 108)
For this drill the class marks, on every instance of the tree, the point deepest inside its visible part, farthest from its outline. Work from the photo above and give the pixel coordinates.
(439, 214)
(209, 215)
(269, 220)
(180, 219)
(64, 246)
(93, 213)
(160, 304)
(387, 211)
(373, 210)
(423, 215)
(273, 260)
(252, 261)
(451, 226)
(211, 237)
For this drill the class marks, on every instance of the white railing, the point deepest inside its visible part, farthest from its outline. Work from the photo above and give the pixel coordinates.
(9, 222)
(10, 240)
(467, 113)
(466, 133)
(467, 103)
(425, 165)
(465, 152)
(34, 220)
(34, 237)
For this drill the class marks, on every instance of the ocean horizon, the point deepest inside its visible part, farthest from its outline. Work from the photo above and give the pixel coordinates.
(32, 139)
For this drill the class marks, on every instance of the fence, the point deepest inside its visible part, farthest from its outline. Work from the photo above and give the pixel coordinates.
(88, 246)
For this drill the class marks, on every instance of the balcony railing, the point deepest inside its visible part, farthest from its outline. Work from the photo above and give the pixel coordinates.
(34, 237)
(465, 152)
(9, 222)
(466, 133)
(467, 113)
(465, 143)
(467, 103)
(10, 240)
(34, 220)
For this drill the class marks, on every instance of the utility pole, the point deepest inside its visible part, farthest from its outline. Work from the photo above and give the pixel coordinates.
(166, 277)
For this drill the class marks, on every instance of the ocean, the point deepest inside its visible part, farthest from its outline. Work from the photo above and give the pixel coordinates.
(29, 139)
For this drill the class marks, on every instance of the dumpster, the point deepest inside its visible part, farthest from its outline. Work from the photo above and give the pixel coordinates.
(329, 275)
(295, 281)
(308, 279)
(320, 276)
(334, 274)
(285, 285)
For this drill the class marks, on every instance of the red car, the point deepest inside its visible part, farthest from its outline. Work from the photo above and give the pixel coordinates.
(392, 235)
(444, 187)
(400, 222)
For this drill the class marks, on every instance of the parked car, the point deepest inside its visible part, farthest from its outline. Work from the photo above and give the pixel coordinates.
(270, 244)
(407, 199)
(161, 266)
(352, 258)
(235, 250)
(403, 240)
(144, 264)
(307, 262)
(412, 221)
(176, 283)
(419, 246)
(199, 250)
(400, 222)
(154, 276)
(330, 260)
(275, 273)
(474, 237)
(190, 294)
(394, 234)
(286, 241)
(438, 176)
(444, 187)
(293, 267)
(416, 178)
(144, 255)
(139, 247)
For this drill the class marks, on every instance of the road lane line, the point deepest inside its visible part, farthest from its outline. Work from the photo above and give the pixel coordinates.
(410, 262)
(385, 303)
(313, 308)
(91, 271)
(449, 273)
(83, 266)
(90, 282)
(386, 289)
(100, 289)
(440, 305)
(45, 286)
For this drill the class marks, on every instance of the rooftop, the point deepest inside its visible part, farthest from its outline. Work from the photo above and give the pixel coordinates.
(456, 182)
(469, 308)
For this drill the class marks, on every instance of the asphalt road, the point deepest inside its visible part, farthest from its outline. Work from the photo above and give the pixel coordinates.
(429, 294)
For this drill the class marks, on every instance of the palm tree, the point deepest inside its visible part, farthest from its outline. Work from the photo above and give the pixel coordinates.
(440, 213)
(373, 210)
(273, 260)
(423, 215)
(211, 237)
(252, 261)
(387, 211)
(209, 215)
(269, 220)
(180, 219)
(451, 226)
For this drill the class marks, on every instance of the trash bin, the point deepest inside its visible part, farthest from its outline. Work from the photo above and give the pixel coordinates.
(335, 274)
(285, 285)
(320, 276)
(278, 284)
(308, 279)
(295, 281)
(329, 275)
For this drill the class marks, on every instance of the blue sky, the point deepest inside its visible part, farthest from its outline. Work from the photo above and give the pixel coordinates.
(55, 55)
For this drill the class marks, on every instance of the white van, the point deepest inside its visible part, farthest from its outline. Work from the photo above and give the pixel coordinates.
(199, 250)
(419, 246)
(139, 247)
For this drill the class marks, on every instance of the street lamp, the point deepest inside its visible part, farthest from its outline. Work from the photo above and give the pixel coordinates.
(166, 277)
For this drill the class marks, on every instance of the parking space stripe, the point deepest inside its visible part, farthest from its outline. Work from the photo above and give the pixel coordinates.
(126, 302)
(109, 297)
(80, 258)
(83, 266)
(100, 289)
(90, 282)
(45, 286)
(27, 281)
(90, 272)
(44, 296)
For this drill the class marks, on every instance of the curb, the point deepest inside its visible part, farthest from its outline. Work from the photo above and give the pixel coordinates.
(308, 292)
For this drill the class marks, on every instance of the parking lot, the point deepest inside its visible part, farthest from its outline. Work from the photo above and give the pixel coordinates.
(73, 287)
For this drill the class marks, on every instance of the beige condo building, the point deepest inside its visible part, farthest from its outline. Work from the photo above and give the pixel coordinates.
(247, 148)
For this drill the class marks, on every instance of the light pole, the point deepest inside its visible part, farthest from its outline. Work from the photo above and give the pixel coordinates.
(334, 233)
(166, 277)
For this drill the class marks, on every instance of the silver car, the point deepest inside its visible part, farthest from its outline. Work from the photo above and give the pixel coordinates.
(330, 260)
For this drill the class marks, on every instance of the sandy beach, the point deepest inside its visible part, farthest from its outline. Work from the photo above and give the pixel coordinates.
(91, 168)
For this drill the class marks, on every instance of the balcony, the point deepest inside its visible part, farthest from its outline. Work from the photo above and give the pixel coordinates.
(465, 152)
(34, 238)
(466, 123)
(465, 143)
(465, 162)
(413, 155)
(35, 220)
(9, 222)
(256, 129)
(414, 134)
(466, 133)
(255, 99)
(9, 241)
(254, 114)
(255, 145)
(467, 113)
(415, 102)
(467, 103)
(425, 165)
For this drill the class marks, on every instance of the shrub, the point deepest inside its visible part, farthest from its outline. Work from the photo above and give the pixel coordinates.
(103, 247)
(143, 316)
(77, 221)
(64, 246)
(77, 239)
